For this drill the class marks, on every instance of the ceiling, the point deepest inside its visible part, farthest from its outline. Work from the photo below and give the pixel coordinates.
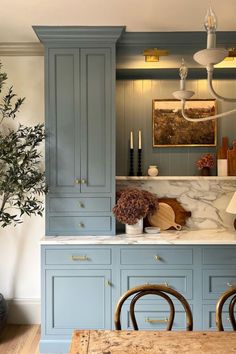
(17, 16)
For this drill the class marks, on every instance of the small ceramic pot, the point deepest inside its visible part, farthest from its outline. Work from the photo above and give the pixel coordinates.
(152, 171)
(135, 229)
(205, 171)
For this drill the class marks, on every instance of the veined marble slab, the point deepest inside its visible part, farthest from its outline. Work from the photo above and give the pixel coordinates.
(183, 237)
(206, 198)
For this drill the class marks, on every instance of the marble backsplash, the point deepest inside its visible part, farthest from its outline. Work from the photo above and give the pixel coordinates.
(206, 199)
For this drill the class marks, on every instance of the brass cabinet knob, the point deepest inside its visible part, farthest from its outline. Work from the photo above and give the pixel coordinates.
(77, 181)
(157, 258)
(230, 285)
(83, 181)
(81, 224)
(108, 283)
(81, 205)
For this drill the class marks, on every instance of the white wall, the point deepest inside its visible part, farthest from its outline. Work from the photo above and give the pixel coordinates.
(19, 246)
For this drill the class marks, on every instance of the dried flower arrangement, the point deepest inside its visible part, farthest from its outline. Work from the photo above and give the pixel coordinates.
(133, 205)
(206, 160)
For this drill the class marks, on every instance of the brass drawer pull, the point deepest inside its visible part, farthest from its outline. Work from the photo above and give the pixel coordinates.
(77, 181)
(79, 258)
(157, 258)
(81, 205)
(149, 320)
(83, 181)
(81, 224)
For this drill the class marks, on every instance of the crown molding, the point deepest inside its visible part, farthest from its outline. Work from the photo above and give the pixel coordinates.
(78, 34)
(21, 49)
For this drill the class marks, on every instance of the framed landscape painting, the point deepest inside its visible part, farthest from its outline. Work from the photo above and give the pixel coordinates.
(170, 129)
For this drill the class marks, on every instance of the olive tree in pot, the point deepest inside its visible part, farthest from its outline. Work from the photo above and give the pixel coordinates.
(22, 183)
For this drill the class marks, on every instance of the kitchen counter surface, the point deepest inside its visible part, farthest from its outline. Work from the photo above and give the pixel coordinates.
(183, 237)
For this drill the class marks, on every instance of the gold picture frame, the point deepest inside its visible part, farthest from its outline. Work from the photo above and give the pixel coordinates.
(170, 129)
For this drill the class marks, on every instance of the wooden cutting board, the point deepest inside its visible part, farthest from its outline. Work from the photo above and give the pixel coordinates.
(164, 218)
(231, 157)
(180, 213)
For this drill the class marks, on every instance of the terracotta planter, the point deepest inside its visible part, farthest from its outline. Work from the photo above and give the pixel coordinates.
(205, 171)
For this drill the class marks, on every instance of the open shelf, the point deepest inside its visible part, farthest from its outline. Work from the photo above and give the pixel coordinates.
(175, 178)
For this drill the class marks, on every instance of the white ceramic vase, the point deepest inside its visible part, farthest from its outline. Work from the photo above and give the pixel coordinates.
(222, 167)
(135, 229)
(152, 170)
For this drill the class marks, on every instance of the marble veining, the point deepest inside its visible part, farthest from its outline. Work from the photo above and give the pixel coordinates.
(183, 237)
(206, 199)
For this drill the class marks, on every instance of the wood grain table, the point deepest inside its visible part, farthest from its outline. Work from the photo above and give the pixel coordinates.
(150, 342)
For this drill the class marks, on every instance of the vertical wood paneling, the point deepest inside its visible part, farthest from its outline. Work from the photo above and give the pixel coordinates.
(134, 112)
(138, 116)
(129, 119)
(121, 151)
(147, 125)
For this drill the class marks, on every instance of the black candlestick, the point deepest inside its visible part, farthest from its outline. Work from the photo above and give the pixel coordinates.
(131, 162)
(139, 172)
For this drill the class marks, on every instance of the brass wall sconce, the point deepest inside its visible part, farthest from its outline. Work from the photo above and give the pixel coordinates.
(232, 54)
(153, 55)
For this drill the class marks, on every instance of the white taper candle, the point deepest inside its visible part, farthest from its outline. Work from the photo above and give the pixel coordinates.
(131, 140)
(139, 139)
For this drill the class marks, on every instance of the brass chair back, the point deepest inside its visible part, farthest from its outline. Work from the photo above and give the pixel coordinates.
(219, 306)
(159, 290)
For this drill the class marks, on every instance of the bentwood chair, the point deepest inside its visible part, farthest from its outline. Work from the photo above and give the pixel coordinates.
(159, 290)
(219, 306)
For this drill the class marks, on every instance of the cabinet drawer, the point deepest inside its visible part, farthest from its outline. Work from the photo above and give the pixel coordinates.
(81, 205)
(156, 255)
(153, 317)
(180, 280)
(224, 255)
(216, 281)
(78, 256)
(81, 225)
(209, 318)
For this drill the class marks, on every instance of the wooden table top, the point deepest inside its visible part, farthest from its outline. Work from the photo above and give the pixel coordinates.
(150, 342)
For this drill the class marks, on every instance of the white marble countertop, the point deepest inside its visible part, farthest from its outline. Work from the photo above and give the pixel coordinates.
(175, 178)
(183, 237)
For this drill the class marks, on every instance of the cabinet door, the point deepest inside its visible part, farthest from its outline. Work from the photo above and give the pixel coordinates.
(63, 148)
(96, 120)
(77, 299)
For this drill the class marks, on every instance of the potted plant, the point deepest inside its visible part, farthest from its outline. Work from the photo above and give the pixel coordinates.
(22, 183)
(132, 206)
(205, 163)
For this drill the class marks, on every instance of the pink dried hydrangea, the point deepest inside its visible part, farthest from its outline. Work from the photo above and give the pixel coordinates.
(206, 160)
(133, 205)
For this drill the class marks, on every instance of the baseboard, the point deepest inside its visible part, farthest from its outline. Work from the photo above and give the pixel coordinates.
(24, 311)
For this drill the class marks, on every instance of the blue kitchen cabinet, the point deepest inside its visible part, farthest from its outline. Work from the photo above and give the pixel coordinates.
(67, 293)
(80, 127)
(81, 285)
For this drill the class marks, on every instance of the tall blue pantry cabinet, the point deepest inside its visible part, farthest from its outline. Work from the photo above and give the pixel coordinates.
(80, 125)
